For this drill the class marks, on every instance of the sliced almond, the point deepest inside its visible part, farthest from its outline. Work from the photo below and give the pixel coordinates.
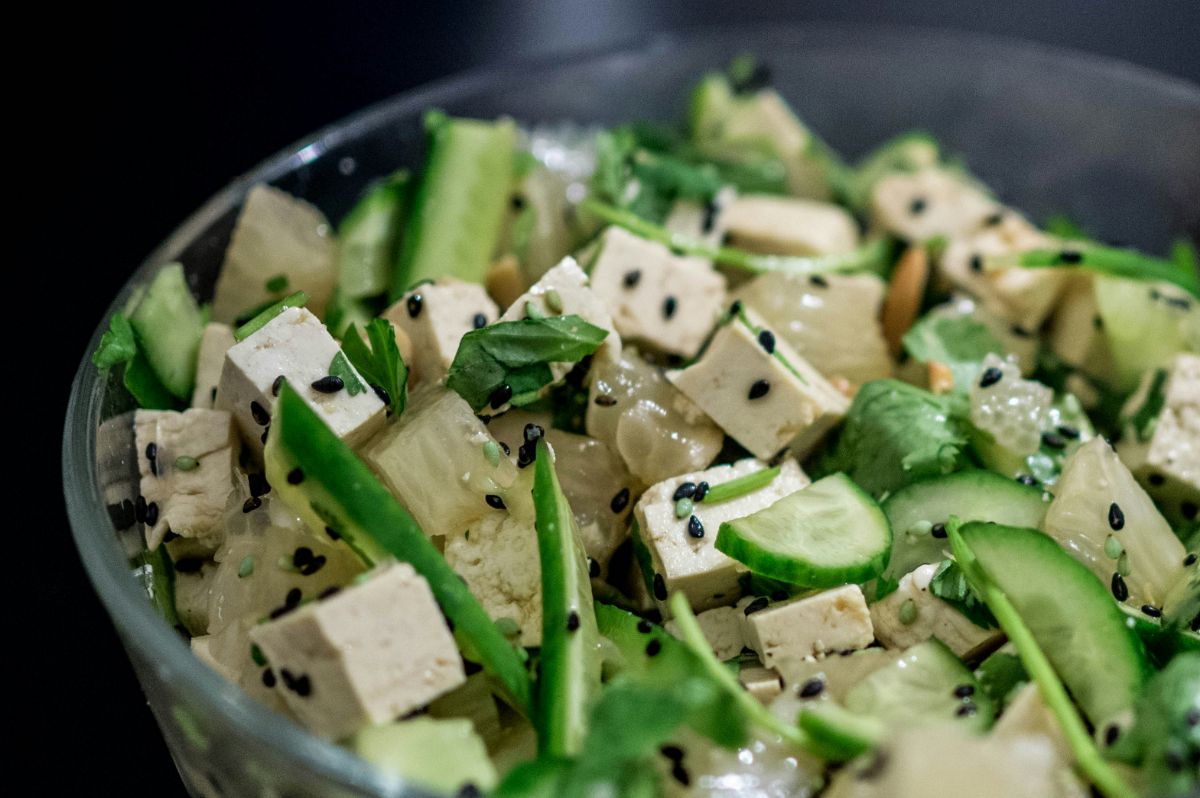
(941, 379)
(903, 300)
(504, 281)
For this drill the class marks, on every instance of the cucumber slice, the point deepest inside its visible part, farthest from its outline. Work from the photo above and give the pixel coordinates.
(168, 324)
(320, 477)
(458, 209)
(1070, 614)
(443, 755)
(367, 239)
(839, 734)
(828, 534)
(926, 685)
(1147, 324)
(1161, 641)
(913, 510)
(570, 669)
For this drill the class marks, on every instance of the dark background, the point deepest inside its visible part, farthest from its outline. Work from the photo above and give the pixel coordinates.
(163, 107)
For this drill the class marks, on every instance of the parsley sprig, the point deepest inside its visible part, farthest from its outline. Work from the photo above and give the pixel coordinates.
(380, 364)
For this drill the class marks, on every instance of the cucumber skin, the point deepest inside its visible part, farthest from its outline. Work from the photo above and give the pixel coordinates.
(168, 324)
(367, 238)
(1108, 681)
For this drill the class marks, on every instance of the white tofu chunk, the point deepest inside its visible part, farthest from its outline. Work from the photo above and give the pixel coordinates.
(765, 684)
(187, 482)
(759, 390)
(838, 673)
(722, 628)
(216, 341)
(918, 206)
(435, 316)
(659, 299)
(497, 556)
(931, 617)
(700, 221)
(295, 346)
(193, 589)
(774, 225)
(374, 652)
(1167, 461)
(832, 620)
(277, 238)
(683, 562)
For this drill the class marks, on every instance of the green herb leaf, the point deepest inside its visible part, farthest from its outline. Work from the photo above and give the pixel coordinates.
(381, 364)
(340, 367)
(264, 317)
(959, 342)
(117, 345)
(950, 584)
(277, 284)
(736, 488)
(1145, 419)
(518, 354)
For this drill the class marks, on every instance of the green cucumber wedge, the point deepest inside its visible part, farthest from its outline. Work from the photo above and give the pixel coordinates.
(827, 534)
(458, 208)
(913, 511)
(168, 324)
(838, 734)
(570, 666)
(1069, 612)
(320, 477)
(367, 239)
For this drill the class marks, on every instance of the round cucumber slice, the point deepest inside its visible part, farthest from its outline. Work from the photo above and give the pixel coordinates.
(830, 533)
(913, 511)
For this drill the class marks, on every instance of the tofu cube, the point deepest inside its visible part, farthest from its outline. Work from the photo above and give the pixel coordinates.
(683, 562)
(1167, 461)
(435, 316)
(765, 684)
(295, 346)
(278, 240)
(372, 653)
(755, 387)
(187, 482)
(788, 226)
(932, 618)
(918, 206)
(722, 628)
(497, 556)
(214, 343)
(701, 221)
(832, 620)
(659, 299)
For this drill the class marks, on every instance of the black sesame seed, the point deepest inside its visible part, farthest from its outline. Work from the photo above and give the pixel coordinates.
(632, 278)
(382, 395)
(695, 528)
(139, 509)
(735, 308)
(710, 217)
(874, 768)
(1116, 518)
(645, 627)
(517, 202)
(292, 599)
(572, 621)
(991, 375)
(469, 790)
(1053, 440)
(526, 454)
(813, 687)
(261, 417)
(263, 437)
(938, 531)
(759, 603)
(478, 321)
(494, 501)
(670, 305)
(1157, 480)
(1020, 332)
(268, 678)
(152, 513)
(653, 647)
(212, 395)
(188, 565)
(964, 691)
(966, 710)
(302, 556)
(976, 264)
(1189, 510)
(1190, 559)
(701, 492)
(818, 281)
(1067, 431)
(660, 587)
(1070, 256)
(500, 396)
(917, 206)
(277, 385)
(672, 752)
(152, 452)
(1111, 733)
(532, 432)
(258, 483)
(1026, 479)
(1151, 610)
(329, 384)
(994, 219)
(1120, 590)
(302, 687)
(332, 590)
(593, 568)
(759, 389)
(295, 476)
(605, 400)
(685, 490)
(680, 774)
(414, 305)
(333, 533)
(766, 339)
(620, 501)
(504, 447)
(251, 504)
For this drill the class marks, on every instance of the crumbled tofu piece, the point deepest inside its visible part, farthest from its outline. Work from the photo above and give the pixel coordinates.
(765, 684)
(295, 346)
(832, 620)
(700, 221)
(775, 225)
(374, 652)
(722, 628)
(683, 562)
(216, 341)
(497, 556)
(1167, 463)
(918, 206)
(838, 673)
(435, 316)
(193, 592)
(759, 390)
(669, 302)
(931, 617)
(276, 236)
(183, 497)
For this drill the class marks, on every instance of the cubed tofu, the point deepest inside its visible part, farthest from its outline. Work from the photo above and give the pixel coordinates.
(692, 565)
(186, 463)
(295, 346)
(832, 620)
(372, 653)
(920, 205)
(214, 343)
(755, 387)
(435, 316)
(701, 221)
(722, 628)
(774, 225)
(838, 673)
(497, 556)
(277, 239)
(765, 684)
(666, 301)
(193, 588)
(931, 617)
(1167, 463)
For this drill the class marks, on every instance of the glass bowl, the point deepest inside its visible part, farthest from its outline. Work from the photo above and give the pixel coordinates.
(1113, 146)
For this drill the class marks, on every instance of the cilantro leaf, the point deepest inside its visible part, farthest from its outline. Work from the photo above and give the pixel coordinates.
(1145, 419)
(117, 345)
(381, 364)
(518, 354)
(960, 342)
(950, 584)
(340, 367)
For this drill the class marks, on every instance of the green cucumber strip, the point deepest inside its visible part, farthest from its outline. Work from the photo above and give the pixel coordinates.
(736, 488)
(841, 734)
(570, 666)
(367, 238)
(263, 318)
(641, 553)
(458, 208)
(337, 491)
(1030, 547)
(157, 575)
(144, 386)
(971, 496)
(827, 534)
(873, 256)
(1126, 263)
(342, 311)
(168, 325)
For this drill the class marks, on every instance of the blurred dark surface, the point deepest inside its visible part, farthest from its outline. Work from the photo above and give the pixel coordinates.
(163, 107)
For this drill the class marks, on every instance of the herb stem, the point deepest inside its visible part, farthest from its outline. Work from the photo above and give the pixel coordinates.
(736, 488)
(1114, 261)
